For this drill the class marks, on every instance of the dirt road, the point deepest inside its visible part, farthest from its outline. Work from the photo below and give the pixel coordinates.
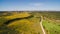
(42, 25)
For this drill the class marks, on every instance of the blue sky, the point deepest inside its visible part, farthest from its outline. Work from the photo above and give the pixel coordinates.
(14, 5)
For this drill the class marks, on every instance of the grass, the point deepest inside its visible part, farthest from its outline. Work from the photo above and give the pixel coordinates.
(17, 15)
(51, 27)
(31, 25)
(25, 26)
(2, 20)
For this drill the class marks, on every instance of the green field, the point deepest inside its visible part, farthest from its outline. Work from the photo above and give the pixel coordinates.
(22, 23)
(51, 27)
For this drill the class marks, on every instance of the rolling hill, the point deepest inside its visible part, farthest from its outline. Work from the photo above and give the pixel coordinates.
(29, 22)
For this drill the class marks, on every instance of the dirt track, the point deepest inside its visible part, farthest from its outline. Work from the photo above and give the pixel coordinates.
(42, 25)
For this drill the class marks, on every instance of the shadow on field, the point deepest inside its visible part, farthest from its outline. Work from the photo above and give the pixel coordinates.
(9, 21)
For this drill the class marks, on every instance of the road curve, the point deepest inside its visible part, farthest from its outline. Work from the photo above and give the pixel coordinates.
(42, 25)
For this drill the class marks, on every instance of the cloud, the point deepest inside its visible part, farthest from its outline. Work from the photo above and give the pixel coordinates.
(36, 4)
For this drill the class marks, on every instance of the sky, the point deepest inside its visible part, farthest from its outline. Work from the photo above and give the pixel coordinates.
(30, 5)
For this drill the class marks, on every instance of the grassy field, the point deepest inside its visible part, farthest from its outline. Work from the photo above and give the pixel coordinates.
(51, 27)
(51, 22)
(31, 25)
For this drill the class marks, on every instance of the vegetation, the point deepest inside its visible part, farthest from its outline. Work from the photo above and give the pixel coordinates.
(29, 22)
(51, 27)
